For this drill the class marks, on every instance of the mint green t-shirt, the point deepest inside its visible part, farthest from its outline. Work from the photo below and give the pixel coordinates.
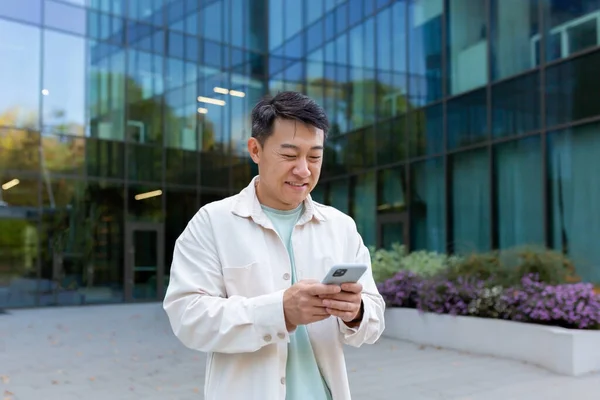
(303, 377)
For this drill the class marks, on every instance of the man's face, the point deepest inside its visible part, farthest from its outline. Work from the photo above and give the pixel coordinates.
(289, 163)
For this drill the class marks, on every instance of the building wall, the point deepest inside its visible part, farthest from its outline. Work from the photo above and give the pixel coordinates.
(453, 128)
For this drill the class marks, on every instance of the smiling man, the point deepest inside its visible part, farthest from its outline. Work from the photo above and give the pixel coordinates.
(245, 279)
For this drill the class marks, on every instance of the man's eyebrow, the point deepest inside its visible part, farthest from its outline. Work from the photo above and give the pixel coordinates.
(294, 147)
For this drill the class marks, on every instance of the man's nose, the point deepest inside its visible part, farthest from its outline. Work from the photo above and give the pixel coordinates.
(301, 170)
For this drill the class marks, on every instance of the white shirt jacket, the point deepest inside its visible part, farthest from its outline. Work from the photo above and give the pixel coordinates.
(225, 295)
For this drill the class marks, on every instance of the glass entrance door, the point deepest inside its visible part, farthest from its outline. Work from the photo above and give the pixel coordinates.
(144, 268)
(392, 228)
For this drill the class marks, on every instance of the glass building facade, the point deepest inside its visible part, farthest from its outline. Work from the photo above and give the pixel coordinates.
(457, 126)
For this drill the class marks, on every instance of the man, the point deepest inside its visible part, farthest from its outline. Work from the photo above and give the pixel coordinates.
(245, 279)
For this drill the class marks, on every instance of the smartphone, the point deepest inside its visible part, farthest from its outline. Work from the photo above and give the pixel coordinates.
(344, 273)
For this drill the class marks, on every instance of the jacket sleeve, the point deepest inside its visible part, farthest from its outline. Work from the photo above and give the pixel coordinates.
(200, 313)
(373, 322)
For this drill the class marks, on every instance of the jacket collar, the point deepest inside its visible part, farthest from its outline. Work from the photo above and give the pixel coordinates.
(247, 205)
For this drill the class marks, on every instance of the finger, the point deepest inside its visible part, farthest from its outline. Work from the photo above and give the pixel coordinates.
(352, 287)
(344, 315)
(341, 305)
(319, 289)
(342, 296)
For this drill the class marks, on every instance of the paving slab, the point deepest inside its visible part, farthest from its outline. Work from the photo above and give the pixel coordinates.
(128, 351)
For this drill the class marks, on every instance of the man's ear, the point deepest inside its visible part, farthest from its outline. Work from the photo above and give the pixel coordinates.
(254, 149)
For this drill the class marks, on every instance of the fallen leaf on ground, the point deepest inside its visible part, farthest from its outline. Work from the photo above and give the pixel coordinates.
(92, 379)
(196, 390)
(55, 382)
(5, 379)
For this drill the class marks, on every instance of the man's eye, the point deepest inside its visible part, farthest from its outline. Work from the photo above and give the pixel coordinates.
(315, 157)
(289, 156)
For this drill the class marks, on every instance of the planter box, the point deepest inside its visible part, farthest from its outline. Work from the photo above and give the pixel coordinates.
(564, 351)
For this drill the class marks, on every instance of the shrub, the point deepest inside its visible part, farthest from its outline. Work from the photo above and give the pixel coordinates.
(427, 263)
(386, 263)
(574, 306)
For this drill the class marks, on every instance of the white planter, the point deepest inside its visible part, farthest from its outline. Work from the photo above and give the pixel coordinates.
(565, 351)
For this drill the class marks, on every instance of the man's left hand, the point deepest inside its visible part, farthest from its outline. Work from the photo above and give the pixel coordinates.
(346, 304)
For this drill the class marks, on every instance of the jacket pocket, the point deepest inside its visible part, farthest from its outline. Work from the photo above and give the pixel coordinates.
(248, 280)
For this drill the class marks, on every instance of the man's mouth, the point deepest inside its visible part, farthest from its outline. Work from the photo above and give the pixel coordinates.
(295, 184)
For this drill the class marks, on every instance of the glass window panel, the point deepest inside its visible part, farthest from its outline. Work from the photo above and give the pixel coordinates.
(23, 10)
(314, 10)
(65, 17)
(214, 170)
(391, 140)
(425, 48)
(64, 83)
(20, 150)
(515, 33)
(426, 131)
(428, 208)
(573, 90)
(516, 106)
(339, 191)
(471, 201)
(181, 206)
(144, 89)
(19, 240)
(467, 119)
(63, 155)
(146, 208)
(574, 190)
(467, 45)
(105, 158)
(571, 26)
(392, 190)
(213, 21)
(518, 175)
(356, 11)
(106, 27)
(318, 193)
(237, 22)
(341, 18)
(275, 24)
(364, 207)
(145, 163)
(384, 52)
(66, 239)
(19, 75)
(106, 91)
(181, 167)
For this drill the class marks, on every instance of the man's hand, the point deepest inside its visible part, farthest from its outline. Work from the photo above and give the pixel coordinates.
(302, 304)
(346, 304)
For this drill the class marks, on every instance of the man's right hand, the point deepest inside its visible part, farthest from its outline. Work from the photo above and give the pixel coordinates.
(302, 304)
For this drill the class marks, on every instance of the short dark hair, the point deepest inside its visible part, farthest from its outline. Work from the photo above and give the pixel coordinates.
(286, 105)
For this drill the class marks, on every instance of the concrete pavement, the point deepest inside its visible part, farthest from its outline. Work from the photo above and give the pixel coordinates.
(122, 352)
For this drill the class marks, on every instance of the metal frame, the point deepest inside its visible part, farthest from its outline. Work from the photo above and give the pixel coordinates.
(129, 270)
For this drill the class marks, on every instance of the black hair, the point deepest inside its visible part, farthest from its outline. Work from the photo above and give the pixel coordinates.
(286, 105)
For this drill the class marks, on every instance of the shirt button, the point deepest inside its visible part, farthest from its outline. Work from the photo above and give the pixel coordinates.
(286, 276)
(267, 338)
(281, 335)
(283, 381)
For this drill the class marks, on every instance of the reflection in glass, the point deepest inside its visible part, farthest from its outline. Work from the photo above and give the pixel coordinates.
(391, 140)
(181, 167)
(515, 36)
(518, 171)
(571, 27)
(145, 203)
(105, 158)
(573, 166)
(22, 10)
(19, 74)
(339, 191)
(63, 154)
(364, 207)
(471, 201)
(426, 131)
(64, 83)
(467, 45)
(145, 263)
(82, 242)
(573, 90)
(428, 208)
(425, 49)
(516, 106)
(181, 206)
(392, 190)
(145, 163)
(19, 246)
(20, 150)
(106, 91)
(467, 119)
(144, 96)
(65, 17)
